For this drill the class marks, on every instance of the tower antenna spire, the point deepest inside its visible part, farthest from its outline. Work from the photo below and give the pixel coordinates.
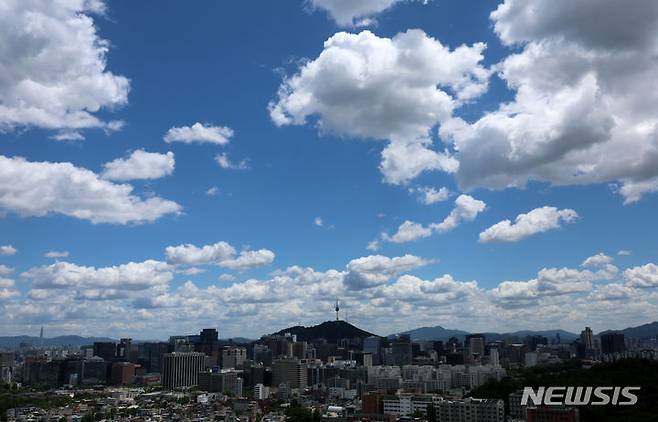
(337, 309)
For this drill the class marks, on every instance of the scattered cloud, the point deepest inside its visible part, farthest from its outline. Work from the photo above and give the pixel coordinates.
(429, 195)
(54, 68)
(353, 13)
(5, 270)
(57, 254)
(645, 276)
(199, 133)
(318, 221)
(375, 270)
(536, 221)
(581, 114)
(8, 250)
(598, 260)
(212, 191)
(466, 209)
(220, 253)
(226, 163)
(139, 165)
(415, 80)
(30, 188)
(624, 252)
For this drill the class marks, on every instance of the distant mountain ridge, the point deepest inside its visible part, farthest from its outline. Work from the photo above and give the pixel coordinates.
(75, 341)
(440, 333)
(332, 331)
(644, 330)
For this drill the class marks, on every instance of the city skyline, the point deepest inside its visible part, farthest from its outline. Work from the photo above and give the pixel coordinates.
(487, 167)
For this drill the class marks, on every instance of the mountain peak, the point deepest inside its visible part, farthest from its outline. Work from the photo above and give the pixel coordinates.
(332, 331)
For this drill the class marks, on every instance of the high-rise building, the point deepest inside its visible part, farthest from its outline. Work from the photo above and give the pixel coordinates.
(474, 346)
(123, 373)
(233, 357)
(261, 392)
(150, 355)
(400, 351)
(494, 357)
(289, 371)
(373, 345)
(105, 350)
(209, 344)
(612, 343)
(181, 369)
(225, 381)
(587, 338)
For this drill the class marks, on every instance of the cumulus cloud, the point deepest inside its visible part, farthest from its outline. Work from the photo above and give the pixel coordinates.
(199, 133)
(131, 276)
(225, 162)
(551, 282)
(54, 68)
(139, 165)
(466, 209)
(372, 288)
(56, 254)
(581, 113)
(30, 188)
(353, 13)
(414, 81)
(5, 270)
(220, 253)
(536, 221)
(645, 276)
(375, 270)
(429, 195)
(598, 260)
(8, 250)
(249, 259)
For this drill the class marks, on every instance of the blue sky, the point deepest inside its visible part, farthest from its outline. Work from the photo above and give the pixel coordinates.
(484, 123)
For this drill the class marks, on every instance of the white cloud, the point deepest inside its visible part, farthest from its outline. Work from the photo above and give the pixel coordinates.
(582, 113)
(466, 209)
(220, 253)
(353, 13)
(38, 188)
(56, 254)
(212, 191)
(189, 254)
(249, 259)
(131, 276)
(536, 221)
(54, 68)
(373, 245)
(5, 270)
(624, 252)
(414, 81)
(407, 232)
(139, 165)
(645, 276)
(598, 260)
(430, 195)
(226, 163)
(375, 270)
(226, 277)
(199, 133)
(318, 221)
(8, 250)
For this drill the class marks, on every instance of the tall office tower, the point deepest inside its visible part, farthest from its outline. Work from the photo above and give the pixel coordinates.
(181, 369)
(233, 357)
(612, 343)
(587, 338)
(123, 373)
(124, 349)
(180, 344)
(494, 357)
(289, 371)
(475, 345)
(299, 349)
(150, 356)
(226, 381)
(400, 351)
(105, 350)
(209, 344)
